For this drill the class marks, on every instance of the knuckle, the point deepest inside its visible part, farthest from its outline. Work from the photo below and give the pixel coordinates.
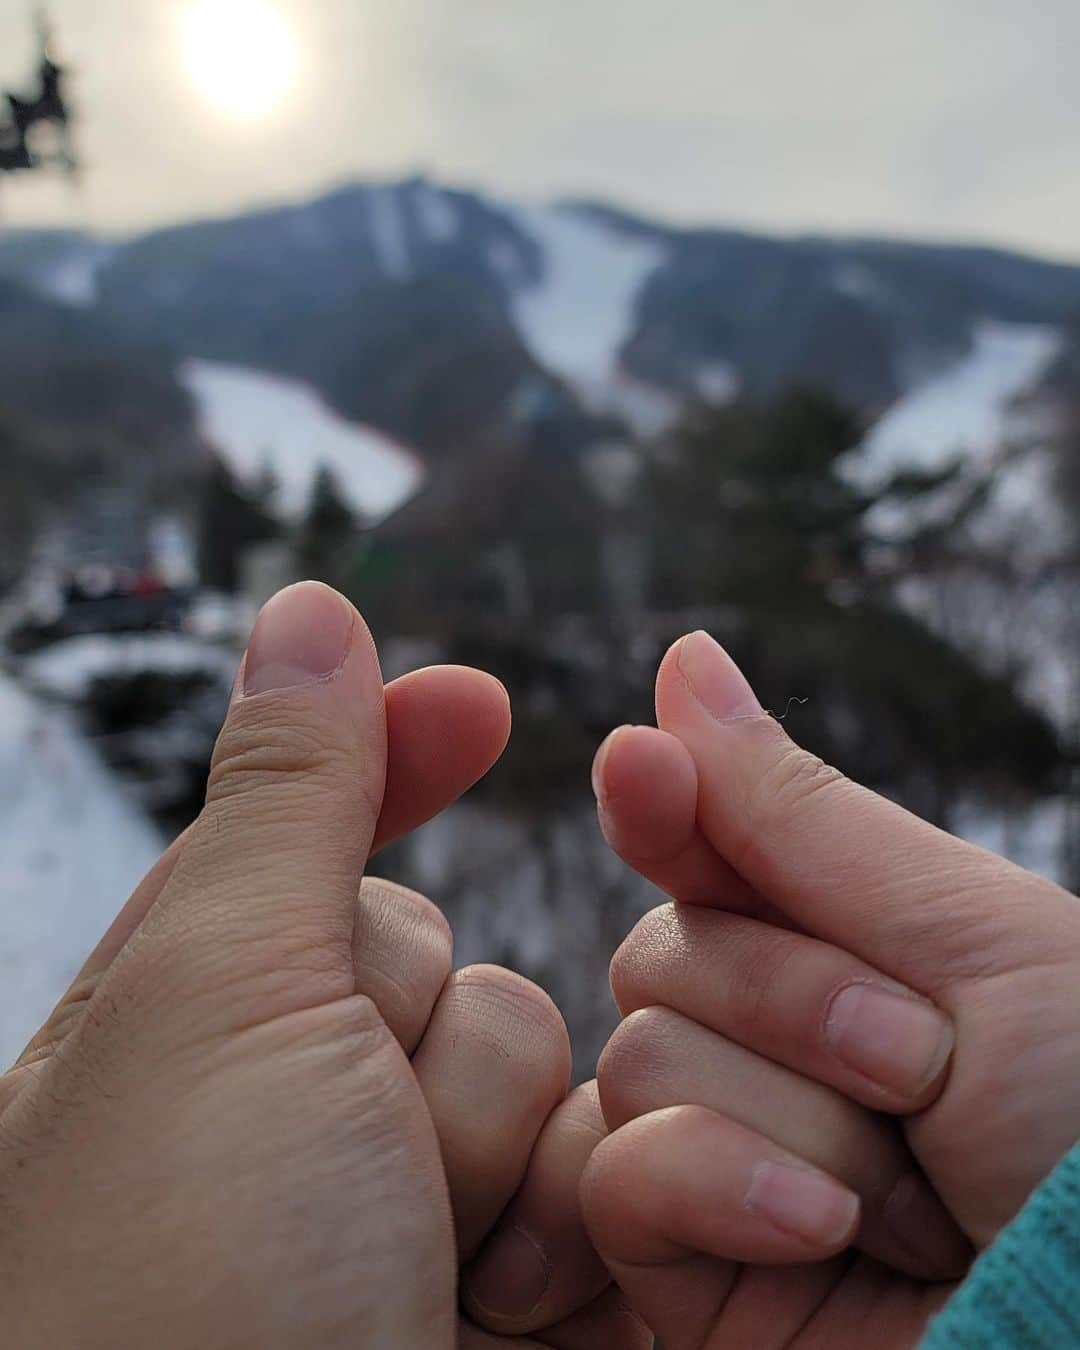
(63, 1019)
(795, 777)
(582, 1111)
(411, 918)
(792, 781)
(633, 1063)
(362, 1022)
(402, 955)
(516, 1021)
(254, 754)
(344, 1035)
(755, 972)
(652, 946)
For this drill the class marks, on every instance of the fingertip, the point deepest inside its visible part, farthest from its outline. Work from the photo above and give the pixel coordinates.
(646, 784)
(668, 677)
(446, 727)
(304, 633)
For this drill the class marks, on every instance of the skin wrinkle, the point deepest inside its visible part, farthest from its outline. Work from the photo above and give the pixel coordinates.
(496, 1005)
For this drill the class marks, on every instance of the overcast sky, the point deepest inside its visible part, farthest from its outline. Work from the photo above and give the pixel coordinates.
(932, 118)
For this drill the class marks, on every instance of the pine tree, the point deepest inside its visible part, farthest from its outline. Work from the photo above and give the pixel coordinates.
(758, 529)
(323, 545)
(230, 521)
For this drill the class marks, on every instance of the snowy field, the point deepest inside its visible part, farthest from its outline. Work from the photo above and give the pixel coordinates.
(72, 848)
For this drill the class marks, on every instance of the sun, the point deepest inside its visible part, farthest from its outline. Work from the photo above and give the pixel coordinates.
(240, 53)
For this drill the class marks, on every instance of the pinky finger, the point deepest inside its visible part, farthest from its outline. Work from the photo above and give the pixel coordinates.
(675, 1199)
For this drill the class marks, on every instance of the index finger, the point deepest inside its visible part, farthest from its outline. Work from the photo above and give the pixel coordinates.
(844, 863)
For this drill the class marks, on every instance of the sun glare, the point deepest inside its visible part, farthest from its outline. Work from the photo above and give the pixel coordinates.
(240, 53)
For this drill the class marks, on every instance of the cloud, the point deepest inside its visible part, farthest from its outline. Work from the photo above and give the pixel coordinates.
(950, 120)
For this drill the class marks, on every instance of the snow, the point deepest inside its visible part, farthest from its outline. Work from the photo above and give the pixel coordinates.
(263, 422)
(69, 274)
(215, 616)
(860, 282)
(388, 232)
(577, 318)
(438, 213)
(72, 848)
(69, 669)
(646, 408)
(73, 280)
(967, 409)
(717, 382)
(173, 550)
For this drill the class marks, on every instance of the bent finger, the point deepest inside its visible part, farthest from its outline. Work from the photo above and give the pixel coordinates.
(841, 861)
(685, 1179)
(446, 726)
(493, 1064)
(804, 1003)
(646, 786)
(658, 1058)
(402, 956)
(539, 1265)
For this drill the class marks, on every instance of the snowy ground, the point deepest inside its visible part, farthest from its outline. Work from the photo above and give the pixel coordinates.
(72, 848)
(263, 422)
(68, 669)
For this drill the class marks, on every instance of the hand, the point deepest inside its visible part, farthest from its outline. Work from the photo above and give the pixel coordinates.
(218, 1139)
(867, 965)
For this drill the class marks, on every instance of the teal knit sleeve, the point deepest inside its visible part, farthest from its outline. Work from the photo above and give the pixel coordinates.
(1023, 1293)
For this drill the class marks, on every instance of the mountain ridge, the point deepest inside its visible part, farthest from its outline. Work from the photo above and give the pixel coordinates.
(444, 316)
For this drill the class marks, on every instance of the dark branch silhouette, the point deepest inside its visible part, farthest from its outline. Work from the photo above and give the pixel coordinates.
(47, 107)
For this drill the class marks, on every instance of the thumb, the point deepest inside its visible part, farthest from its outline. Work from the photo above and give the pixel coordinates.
(844, 863)
(261, 901)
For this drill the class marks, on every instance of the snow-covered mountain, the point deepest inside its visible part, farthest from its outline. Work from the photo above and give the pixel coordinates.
(438, 317)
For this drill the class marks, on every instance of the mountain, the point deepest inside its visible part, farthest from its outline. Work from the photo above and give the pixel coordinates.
(443, 317)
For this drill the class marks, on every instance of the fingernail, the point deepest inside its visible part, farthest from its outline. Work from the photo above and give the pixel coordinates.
(900, 1043)
(301, 635)
(715, 680)
(808, 1205)
(922, 1225)
(601, 760)
(511, 1275)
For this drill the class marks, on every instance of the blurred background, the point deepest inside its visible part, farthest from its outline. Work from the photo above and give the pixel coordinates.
(547, 333)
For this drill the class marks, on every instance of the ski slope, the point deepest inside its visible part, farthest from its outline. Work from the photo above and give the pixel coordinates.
(966, 410)
(579, 315)
(261, 422)
(72, 848)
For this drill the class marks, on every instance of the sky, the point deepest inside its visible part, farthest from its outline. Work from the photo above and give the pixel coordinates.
(937, 119)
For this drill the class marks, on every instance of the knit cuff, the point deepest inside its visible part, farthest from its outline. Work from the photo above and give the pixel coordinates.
(1023, 1293)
